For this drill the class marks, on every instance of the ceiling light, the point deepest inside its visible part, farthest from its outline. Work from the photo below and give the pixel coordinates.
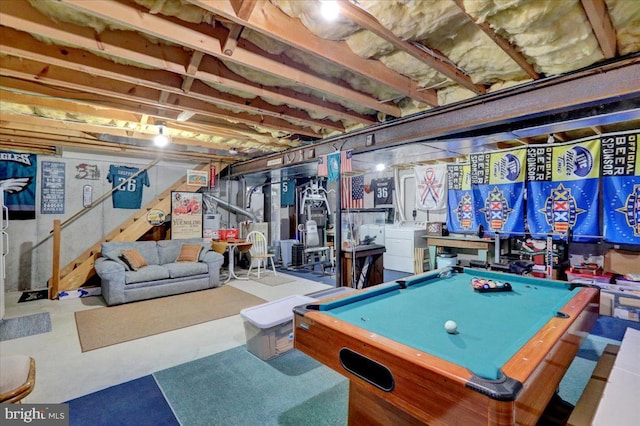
(161, 139)
(233, 151)
(329, 9)
(380, 167)
(551, 139)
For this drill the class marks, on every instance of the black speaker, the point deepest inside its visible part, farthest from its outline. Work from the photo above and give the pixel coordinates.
(297, 254)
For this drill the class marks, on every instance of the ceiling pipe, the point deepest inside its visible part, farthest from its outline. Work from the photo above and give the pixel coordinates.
(230, 207)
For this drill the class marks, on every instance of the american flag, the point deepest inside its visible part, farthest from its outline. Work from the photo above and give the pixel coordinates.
(353, 192)
(345, 162)
(323, 169)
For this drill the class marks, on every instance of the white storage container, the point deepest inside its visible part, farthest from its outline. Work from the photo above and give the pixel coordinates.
(269, 327)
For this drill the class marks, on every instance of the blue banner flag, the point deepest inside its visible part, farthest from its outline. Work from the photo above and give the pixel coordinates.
(461, 214)
(562, 183)
(621, 188)
(333, 161)
(497, 182)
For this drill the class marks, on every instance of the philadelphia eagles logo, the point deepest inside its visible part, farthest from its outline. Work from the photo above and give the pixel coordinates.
(15, 185)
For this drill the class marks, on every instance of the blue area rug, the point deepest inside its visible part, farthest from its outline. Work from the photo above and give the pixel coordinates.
(138, 402)
(28, 325)
(236, 388)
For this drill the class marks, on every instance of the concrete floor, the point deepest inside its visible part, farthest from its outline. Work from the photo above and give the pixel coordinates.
(63, 372)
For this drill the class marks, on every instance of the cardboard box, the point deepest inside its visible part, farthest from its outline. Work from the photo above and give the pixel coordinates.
(622, 262)
(622, 304)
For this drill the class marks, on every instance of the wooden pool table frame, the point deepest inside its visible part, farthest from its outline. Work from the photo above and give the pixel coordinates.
(428, 389)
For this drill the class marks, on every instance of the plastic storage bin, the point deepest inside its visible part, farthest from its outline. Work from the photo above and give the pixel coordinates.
(444, 259)
(269, 327)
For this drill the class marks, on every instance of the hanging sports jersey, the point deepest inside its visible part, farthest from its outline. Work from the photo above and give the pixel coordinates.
(382, 191)
(288, 193)
(129, 196)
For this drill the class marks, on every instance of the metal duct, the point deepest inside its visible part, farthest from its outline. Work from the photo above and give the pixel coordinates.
(228, 206)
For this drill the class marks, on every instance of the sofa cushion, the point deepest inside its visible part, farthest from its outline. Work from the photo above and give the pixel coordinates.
(134, 259)
(189, 253)
(186, 269)
(168, 250)
(147, 273)
(147, 249)
(116, 256)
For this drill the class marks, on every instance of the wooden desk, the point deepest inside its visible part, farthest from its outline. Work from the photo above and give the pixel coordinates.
(483, 246)
(370, 254)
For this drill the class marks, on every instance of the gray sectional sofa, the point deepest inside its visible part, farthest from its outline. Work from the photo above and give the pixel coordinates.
(162, 277)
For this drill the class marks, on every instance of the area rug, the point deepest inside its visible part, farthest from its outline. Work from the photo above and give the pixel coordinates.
(235, 387)
(29, 325)
(269, 279)
(101, 327)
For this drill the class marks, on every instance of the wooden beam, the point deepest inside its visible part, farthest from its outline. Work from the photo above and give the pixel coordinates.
(132, 47)
(171, 99)
(192, 68)
(199, 38)
(243, 8)
(502, 43)
(598, 16)
(231, 41)
(18, 44)
(55, 273)
(56, 99)
(367, 21)
(269, 20)
(112, 148)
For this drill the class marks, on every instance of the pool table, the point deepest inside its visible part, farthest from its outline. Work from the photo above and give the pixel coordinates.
(501, 366)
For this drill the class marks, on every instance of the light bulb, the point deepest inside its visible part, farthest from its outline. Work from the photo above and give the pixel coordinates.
(329, 9)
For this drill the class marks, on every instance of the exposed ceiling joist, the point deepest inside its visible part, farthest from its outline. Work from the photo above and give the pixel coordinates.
(199, 38)
(111, 69)
(442, 65)
(268, 19)
(135, 49)
(596, 11)
(502, 43)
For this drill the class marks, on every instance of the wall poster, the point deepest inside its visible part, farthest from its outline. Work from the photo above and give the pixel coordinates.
(186, 215)
(52, 196)
(197, 178)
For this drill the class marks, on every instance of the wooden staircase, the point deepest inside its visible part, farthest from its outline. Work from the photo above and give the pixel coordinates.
(81, 269)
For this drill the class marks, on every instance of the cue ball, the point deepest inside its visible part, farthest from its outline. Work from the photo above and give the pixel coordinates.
(451, 327)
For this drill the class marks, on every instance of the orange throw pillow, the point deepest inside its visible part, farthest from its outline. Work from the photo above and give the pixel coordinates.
(134, 259)
(189, 253)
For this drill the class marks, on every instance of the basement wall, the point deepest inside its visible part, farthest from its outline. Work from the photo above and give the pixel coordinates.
(29, 265)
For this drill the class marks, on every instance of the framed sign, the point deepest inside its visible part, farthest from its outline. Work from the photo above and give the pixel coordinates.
(156, 217)
(186, 215)
(53, 178)
(197, 177)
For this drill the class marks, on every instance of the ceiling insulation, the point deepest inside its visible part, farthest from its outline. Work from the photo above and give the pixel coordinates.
(265, 76)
